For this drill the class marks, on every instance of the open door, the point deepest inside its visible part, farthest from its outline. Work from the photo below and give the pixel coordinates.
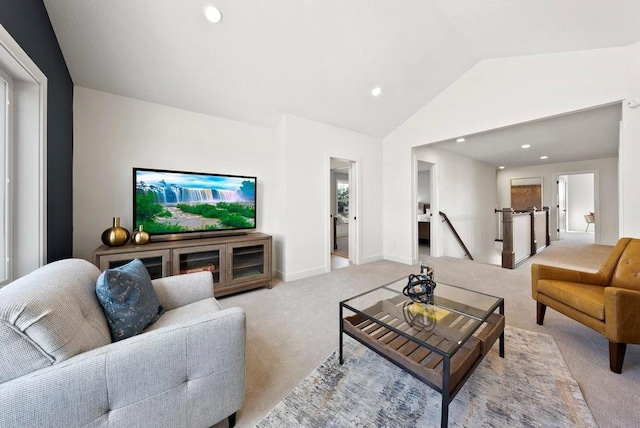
(343, 213)
(562, 206)
(424, 210)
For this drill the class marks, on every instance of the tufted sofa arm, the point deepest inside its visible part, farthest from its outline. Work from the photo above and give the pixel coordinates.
(181, 290)
(183, 375)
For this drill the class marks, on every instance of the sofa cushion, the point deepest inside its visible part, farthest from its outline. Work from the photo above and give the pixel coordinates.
(627, 272)
(48, 316)
(586, 298)
(128, 298)
(186, 313)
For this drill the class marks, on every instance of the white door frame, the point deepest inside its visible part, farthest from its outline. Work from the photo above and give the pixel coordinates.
(29, 157)
(559, 232)
(355, 200)
(596, 198)
(435, 243)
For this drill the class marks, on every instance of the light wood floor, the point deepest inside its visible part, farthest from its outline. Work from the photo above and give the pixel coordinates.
(340, 256)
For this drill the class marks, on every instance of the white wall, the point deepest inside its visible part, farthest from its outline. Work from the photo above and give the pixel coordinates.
(495, 93)
(630, 151)
(280, 192)
(467, 195)
(113, 134)
(580, 200)
(606, 183)
(309, 147)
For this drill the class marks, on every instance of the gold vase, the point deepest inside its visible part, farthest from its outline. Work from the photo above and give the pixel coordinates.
(115, 236)
(140, 237)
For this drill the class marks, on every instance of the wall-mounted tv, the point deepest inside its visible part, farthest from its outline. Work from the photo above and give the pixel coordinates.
(178, 204)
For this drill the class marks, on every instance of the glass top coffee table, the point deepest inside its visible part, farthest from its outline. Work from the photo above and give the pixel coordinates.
(440, 343)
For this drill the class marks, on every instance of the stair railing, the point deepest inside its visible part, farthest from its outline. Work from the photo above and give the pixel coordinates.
(455, 234)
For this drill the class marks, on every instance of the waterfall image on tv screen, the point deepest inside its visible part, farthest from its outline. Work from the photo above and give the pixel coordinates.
(169, 202)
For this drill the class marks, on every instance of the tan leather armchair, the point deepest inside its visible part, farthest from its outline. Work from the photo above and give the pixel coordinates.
(608, 301)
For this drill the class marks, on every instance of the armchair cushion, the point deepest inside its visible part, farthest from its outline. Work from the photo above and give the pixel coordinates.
(586, 298)
(128, 298)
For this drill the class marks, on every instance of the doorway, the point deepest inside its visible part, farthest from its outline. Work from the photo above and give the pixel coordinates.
(424, 212)
(576, 206)
(342, 214)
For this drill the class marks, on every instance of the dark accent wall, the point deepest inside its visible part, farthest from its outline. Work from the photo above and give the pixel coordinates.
(28, 23)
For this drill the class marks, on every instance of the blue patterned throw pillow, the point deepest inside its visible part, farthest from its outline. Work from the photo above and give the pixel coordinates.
(128, 299)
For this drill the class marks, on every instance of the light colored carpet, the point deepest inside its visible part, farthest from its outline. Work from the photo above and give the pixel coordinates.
(530, 387)
(293, 327)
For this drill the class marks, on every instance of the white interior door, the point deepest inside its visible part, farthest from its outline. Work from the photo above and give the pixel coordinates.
(562, 206)
(352, 213)
(344, 208)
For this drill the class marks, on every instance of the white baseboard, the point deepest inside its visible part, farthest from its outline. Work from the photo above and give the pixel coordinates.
(371, 259)
(286, 277)
(406, 261)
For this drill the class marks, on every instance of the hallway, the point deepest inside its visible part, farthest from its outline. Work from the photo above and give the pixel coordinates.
(571, 239)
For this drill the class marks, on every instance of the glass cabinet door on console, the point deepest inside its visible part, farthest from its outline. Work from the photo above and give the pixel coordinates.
(208, 258)
(248, 261)
(237, 263)
(156, 262)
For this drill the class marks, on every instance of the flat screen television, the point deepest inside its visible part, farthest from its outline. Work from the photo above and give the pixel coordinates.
(182, 205)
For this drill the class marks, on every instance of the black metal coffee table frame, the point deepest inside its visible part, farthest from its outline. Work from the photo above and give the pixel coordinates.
(387, 335)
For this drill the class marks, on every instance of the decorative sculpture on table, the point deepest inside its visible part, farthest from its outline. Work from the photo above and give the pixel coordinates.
(140, 237)
(419, 313)
(420, 287)
(115, 236)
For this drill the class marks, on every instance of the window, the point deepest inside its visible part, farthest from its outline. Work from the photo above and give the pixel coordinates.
(23, 226)
(342, 196)
(6, 224)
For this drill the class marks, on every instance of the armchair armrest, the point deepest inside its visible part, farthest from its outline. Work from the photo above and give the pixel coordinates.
(539, 272)
(180, 290)
(187, 374)
(622, 315)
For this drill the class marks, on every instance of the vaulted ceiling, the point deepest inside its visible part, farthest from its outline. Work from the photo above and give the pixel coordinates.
(578, 136)
(318, 59)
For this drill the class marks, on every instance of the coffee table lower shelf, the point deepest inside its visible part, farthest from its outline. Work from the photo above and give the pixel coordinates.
(446, 374)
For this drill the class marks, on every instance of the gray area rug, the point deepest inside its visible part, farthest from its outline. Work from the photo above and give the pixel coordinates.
(530, 387)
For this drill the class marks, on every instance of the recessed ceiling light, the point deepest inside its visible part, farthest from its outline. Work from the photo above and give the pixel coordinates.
(526, 146)
(213, 14)
(460, 140)
(376, 91)
(501, 167)
(544, 157)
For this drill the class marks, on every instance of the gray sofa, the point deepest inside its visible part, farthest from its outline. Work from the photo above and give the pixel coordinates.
(58, 367)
